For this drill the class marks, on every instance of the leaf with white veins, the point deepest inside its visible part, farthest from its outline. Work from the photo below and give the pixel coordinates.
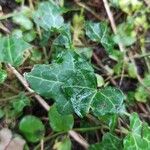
(138, 137)
(48, 15)
(71, 82)
(99, 32)
(12, 50)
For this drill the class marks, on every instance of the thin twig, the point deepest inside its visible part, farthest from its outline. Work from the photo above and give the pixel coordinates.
(143, 115)
(114, 28)
(7, 16)
(148, 107)
(112, 22)
(42, 144)
(39, 31)
(99, 63)
(50, 136)
(89, 10)
(147, 2)
(145, 58)
(110, 16)
(143, 109)
(4, 28)
(122, 72)
(141, 56)
(43, 48)
(31, 4)
(78, 138)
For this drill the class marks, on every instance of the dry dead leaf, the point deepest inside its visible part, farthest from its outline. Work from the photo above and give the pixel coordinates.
(5, 138)
(16, 144)
(7, 142)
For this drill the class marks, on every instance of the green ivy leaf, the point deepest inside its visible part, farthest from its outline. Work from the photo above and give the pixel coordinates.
(130, 6)
(48, 15)
(109, 142)
(52, 80)
(62, 71)
(64, 40)
(146, 136)
(108, 100)
(141, 94)
(60, 122)
(139, 136)
(32, 128)
(132, 70)
(12, 50)
(20, 103)
(3, 76)
(98, 32)
(29, 36)
(71, 82)
(85, 52)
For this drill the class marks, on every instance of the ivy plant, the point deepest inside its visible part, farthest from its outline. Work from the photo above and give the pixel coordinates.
(71, 81)
(60, 63)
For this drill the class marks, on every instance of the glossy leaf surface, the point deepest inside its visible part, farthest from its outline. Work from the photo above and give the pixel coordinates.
(71, 81)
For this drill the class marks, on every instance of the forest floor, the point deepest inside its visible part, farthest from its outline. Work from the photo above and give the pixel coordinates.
(107, 42)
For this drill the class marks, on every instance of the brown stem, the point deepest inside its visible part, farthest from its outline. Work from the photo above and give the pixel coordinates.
(89, 10)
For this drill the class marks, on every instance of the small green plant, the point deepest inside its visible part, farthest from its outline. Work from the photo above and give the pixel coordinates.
(54, 57)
